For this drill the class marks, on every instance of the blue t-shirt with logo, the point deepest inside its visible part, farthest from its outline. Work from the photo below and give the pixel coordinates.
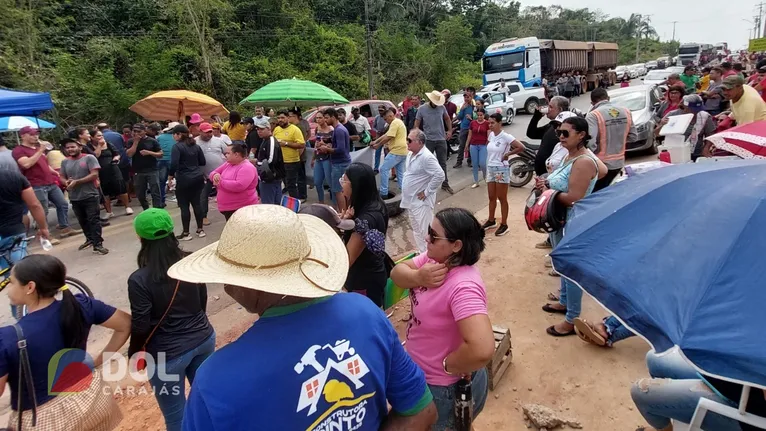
(328, 364)
(42, 330)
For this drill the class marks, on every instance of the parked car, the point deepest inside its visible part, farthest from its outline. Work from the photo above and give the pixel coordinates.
(367, 108)
(621, 72)
(526, 99)
(642, 70)
(632, 71)
(676, 69)
(641, 101)
(650, 65)
(498, 100)
(656, 77)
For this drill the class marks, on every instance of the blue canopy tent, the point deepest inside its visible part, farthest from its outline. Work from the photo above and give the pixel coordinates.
(13, 102)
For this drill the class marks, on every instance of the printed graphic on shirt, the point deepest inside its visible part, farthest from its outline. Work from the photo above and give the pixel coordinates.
(613, 113)
(335, 387)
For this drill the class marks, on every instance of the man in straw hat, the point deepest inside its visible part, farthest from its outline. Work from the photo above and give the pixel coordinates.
(307, 363)
(432, 118)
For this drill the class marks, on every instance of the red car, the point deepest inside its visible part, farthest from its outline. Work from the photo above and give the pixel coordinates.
(367, 108)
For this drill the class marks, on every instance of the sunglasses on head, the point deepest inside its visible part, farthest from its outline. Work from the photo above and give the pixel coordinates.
(564, 133)
(433, 237)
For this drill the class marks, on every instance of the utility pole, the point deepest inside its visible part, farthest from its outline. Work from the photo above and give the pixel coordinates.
(370, 83)
(673, 38)
(760, 20)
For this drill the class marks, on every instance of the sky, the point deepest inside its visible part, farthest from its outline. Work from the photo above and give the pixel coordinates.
(701, 21)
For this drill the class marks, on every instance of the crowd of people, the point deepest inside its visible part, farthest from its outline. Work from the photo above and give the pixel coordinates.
(295, 279)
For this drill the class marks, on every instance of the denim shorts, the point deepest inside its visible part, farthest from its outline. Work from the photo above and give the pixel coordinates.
(499, 174)
(336, 173)
(444, 399)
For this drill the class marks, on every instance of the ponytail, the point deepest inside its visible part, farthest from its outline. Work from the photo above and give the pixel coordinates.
(49, 275)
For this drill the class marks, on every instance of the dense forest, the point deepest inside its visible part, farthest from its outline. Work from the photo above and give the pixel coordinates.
(97, 57)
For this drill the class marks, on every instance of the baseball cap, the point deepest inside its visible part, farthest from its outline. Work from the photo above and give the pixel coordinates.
(155, 126)
(216, 126)
(195, 118)
(29, 130)
(693, 102)
(262, 124)
(328, 215)
(171, 125)
(564, 115)
(205, 127)
(248, 120)
(153, 223)
(139, 126)
(732, 81)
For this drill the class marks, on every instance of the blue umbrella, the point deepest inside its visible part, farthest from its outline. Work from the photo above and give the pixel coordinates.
(15, 123)
(677, 255)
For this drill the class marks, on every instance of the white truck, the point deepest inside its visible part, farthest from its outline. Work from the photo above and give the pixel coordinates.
(526, 99)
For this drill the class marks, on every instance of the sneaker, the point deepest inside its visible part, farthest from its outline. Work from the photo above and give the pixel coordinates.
(448, 189)
(458, 165)
(474, 185)
(109, 215)
(201, 233)
(502, 230)
(68, 231)
(544, 244)
(489, 224)
(100, 249)
(105, 223)
(548, 262)
(129, 211)
(55, 241)
(205, 222)
(186, 236)
(84, 245)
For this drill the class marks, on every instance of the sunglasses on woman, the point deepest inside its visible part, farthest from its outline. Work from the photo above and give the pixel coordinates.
(564, 133)
(433, 237)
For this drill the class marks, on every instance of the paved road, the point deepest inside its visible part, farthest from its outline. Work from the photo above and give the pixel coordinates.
(107, 275)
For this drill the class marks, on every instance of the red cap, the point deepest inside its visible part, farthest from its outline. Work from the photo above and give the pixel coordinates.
(28, 130)
(205, 127)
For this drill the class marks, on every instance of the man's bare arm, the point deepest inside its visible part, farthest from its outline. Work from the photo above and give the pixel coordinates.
(422, 421)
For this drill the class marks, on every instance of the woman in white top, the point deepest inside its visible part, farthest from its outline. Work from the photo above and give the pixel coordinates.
(501, 147)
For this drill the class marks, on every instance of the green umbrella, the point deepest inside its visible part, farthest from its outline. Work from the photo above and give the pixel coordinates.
(294, 91)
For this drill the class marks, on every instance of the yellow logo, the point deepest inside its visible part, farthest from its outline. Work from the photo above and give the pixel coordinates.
(614, 113)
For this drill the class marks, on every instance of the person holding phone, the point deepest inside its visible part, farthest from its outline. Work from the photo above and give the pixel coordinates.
(321, 161)
(501, 147)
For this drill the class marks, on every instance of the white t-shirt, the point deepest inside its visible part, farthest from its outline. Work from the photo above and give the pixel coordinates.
(225, 138)
(497, 147)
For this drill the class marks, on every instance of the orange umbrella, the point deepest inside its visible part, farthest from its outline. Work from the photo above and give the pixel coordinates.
(176, 104)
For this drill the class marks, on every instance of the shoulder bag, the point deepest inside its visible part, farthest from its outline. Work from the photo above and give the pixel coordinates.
(141, 362)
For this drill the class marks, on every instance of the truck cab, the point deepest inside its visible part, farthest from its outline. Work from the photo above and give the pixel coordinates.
(689, 53)
(513, 60)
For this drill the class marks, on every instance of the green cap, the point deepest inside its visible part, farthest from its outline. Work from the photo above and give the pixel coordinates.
(154, 223)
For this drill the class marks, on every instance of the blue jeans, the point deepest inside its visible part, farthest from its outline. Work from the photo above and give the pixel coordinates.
(171, 396)
(53, 193)
(336, 173)
(11, 256)
(377, 157)
(322, 176)
(271, 193)
(479, 159)
(391, 161)
(616, 330)
(674, 391)
(163, 166)
(570, 295)
(444, 399)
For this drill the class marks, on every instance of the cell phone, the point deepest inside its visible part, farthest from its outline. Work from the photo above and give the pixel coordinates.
(292, 203)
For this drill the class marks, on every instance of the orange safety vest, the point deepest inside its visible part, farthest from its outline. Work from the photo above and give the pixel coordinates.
(602, 142)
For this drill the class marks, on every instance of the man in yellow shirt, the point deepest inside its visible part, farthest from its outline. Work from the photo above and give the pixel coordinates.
(291, 141)
(395, 140)
(704, 80)
(747, 106)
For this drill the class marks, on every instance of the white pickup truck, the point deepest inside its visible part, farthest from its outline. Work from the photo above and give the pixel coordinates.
(526, 99)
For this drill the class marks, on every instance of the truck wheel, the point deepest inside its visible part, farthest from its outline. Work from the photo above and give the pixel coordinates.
(509, 117)
(393, 204)
(530, 106)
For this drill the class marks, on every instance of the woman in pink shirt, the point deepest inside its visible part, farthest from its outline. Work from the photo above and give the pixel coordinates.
(449, 334)
(236, 182)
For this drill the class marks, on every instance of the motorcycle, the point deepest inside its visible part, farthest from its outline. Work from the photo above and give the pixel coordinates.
(453, 144)
(522, 167)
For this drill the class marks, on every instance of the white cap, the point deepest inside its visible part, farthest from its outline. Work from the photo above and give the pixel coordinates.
(564, 115)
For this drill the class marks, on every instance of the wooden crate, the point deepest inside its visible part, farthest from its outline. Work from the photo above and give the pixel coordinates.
(502, 357)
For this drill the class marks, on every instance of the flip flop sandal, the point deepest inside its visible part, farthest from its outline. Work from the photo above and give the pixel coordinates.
(548, 309)
(587, 333)
(553, 297)
(552, 331)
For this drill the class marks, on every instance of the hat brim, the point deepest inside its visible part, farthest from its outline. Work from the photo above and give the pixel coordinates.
(205, 266)
(437, 102)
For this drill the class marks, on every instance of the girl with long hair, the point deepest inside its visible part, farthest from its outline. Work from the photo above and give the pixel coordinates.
(449, 334)
(109, 175)
(186, 160)
(574, 179)
(169, 316)
(478, 135)
(321, 161)
(366, 244)
(51, 325)
(234, 128)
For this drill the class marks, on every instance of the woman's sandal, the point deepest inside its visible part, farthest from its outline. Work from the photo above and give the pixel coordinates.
(548, 309)
(587, 333)
(553, 297)
(552, 331)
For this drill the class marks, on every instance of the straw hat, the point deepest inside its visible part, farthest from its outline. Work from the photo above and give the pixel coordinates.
(436, 98)
(271, 249)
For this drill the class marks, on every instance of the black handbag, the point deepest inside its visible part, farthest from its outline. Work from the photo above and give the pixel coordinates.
(25, 378)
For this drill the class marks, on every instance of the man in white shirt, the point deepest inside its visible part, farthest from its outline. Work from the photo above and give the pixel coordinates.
(361, 122)
(422, 178)
(214, 149)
